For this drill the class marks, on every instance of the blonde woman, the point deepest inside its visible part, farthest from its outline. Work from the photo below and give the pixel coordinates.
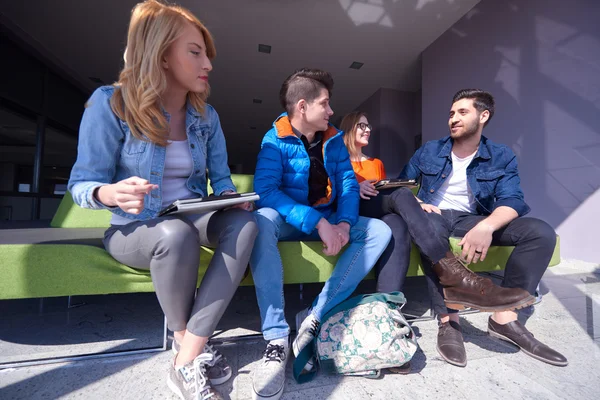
(146, 141)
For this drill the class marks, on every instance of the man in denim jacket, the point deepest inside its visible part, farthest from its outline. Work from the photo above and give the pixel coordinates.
(470, 188)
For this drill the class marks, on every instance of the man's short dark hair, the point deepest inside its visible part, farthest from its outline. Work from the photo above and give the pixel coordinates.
(482, 100)
(304, 84)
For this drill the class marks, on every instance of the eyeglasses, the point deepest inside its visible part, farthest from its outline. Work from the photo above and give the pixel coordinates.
(364, 126)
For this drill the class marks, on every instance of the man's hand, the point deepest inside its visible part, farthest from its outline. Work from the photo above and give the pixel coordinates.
(127, 194)
(331, 237)
(430, 208)
(367, 189)
(343, 229)
(476, 242)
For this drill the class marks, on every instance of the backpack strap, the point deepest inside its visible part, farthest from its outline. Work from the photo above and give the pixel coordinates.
(392, 297)
(303, 357)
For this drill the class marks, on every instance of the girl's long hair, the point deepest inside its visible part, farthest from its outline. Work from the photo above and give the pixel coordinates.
(348, 126)
(152, 29)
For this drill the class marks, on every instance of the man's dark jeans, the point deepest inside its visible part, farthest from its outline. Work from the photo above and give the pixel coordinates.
(534, 242)
(400, 210)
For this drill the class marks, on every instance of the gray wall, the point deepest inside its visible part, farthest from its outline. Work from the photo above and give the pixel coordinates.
(397, 129)
(393, 115)
(541, 60)
(372, 106)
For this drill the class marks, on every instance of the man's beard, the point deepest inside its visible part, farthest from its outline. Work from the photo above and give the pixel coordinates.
(470, 131)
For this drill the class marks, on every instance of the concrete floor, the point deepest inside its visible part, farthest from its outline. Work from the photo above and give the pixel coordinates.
(567, 319)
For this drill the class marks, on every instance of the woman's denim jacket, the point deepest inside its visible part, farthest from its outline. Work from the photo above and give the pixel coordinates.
(107, 152)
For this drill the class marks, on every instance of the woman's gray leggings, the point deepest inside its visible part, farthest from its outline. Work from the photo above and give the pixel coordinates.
(170, 248)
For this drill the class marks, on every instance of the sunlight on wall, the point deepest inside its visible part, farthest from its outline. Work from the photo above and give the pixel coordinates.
(459, 33)
(584, 219)
(567, 56)
(508, 72)
(367, 12)
(573, 158)
(423, 3)
(517, 147)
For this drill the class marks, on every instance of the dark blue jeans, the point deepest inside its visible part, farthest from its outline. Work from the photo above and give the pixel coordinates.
(534, 242)
(399, 209)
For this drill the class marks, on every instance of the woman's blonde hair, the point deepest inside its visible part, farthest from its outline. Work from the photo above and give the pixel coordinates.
(348, 126)
(152, 29)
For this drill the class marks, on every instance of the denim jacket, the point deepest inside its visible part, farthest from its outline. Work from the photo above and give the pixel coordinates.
(107, 152)
(492, 175)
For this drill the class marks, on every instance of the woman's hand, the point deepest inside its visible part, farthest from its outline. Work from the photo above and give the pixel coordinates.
(367, 189)
(127, 194)
(248, 205)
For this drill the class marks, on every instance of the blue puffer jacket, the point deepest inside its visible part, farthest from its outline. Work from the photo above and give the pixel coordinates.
(281, 178)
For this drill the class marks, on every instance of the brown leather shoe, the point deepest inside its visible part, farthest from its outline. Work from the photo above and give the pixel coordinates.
(516, 333)
(464, 288)
(450, 344)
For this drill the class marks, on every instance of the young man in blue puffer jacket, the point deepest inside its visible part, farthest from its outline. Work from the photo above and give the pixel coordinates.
(308, 191)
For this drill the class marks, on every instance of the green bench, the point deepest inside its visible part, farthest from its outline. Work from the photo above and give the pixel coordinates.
(67, 258)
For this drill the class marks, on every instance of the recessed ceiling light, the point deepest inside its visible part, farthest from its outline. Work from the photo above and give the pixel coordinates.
(264, 48)
(257, 101)
(356, 65)
(96, 80)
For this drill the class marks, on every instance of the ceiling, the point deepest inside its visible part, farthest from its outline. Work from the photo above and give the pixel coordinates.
(86, 39)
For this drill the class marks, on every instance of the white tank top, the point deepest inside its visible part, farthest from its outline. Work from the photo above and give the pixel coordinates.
(178, 169)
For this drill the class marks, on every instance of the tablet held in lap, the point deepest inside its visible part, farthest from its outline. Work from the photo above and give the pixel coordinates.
(395, 183)
(206, 204)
